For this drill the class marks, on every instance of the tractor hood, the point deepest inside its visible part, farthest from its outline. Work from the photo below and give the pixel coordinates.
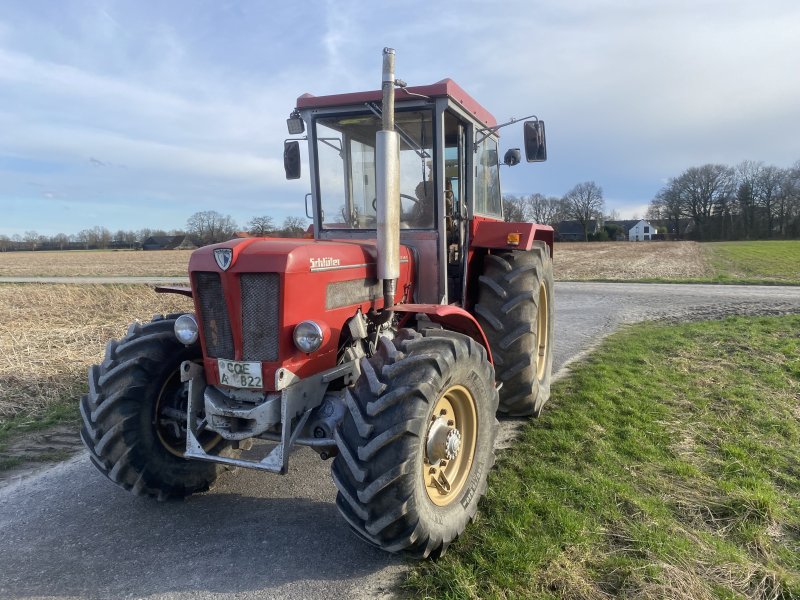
(288, 255)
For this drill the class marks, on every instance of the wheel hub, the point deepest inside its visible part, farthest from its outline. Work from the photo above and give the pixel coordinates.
(443, 442)
(450, 445)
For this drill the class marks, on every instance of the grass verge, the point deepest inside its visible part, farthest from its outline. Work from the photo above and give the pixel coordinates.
(668, 466)
(767, 262)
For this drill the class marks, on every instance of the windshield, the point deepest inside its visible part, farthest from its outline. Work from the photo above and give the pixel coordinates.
(346, 170)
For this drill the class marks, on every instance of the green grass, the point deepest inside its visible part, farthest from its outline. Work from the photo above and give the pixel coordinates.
(666, 466)
(755, 262)
(15, 428)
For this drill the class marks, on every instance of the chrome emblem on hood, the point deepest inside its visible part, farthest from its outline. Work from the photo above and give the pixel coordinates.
(224, 257)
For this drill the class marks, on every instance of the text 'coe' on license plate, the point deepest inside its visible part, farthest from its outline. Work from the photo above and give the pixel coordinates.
(239, 374)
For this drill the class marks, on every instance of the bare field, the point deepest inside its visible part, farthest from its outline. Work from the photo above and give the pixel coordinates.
(574, 261)
(50, 334)
(627, 261)
(95, 263)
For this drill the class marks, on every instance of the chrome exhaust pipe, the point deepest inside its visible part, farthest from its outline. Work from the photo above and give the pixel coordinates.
(387, 179)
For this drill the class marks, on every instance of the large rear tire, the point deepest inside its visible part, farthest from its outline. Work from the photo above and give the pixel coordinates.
(515, 309)
(134, 416)
(417, 443)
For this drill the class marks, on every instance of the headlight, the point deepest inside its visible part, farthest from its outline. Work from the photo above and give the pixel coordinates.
(186, 329)
(308, 336)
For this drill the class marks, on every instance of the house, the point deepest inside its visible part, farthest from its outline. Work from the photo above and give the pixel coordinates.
(162, 242)
(572, 231)
(642, 231)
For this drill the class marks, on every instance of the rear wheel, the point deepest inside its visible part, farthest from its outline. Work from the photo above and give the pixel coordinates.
(134, 416)
(515, 309)
(417, 443)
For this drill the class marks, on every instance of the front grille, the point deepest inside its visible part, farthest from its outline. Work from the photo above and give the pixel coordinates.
(260, 305)
(214, 315)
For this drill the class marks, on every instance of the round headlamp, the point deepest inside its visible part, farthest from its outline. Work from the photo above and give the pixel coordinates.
(186, 329)
(308, 336)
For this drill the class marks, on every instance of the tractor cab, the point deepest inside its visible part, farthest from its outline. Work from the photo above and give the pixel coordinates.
(448, 175)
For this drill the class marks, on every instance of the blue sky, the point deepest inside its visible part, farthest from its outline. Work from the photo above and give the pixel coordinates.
(137, 114)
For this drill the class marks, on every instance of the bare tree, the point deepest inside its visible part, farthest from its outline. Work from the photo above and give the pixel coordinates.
(293, 226)
(514, 209)
(5, 243)
(61, 240)
(210, 227)
(546, 210)
(585, 202)
(32, 239)
(261, 226)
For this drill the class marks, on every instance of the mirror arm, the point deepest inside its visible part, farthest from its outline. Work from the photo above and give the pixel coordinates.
(487, 131)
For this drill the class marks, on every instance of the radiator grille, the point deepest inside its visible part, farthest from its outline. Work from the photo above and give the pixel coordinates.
(260, 305)
(214, 315)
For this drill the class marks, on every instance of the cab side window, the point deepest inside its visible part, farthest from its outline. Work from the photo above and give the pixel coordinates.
(487, 179)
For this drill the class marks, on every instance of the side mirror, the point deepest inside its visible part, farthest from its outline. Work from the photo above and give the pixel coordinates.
(512, 157)
(535, 144)
(291, 159)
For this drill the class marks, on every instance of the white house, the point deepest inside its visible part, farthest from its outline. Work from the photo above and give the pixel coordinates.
(643, 230)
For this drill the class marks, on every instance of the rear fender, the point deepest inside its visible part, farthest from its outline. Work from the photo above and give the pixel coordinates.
(509, 236)
(452, 318)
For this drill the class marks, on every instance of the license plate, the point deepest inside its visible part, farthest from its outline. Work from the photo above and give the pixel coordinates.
(240, 374)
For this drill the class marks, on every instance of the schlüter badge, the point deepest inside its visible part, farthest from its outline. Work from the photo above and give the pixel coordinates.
(224, 257)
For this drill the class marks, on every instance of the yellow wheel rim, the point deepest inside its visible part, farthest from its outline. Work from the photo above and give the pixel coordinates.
(166, 421)
(450, 443)
(542, 333)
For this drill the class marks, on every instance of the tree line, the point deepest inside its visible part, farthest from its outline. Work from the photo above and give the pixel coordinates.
(583, 203)
(712, 202)
(202, 228)
(749, 201)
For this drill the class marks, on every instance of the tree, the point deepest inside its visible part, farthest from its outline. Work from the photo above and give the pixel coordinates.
(585, 202)
(514, 209)
(60, 240)
(293, 227)
(210, 227)
(32, 239)
(5, 243)
(705, 191)
(261, 226)
(546, 210)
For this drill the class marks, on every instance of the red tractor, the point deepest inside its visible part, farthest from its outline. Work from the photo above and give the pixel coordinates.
(386, 340)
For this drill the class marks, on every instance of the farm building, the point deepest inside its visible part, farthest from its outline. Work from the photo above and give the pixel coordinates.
(572, 231)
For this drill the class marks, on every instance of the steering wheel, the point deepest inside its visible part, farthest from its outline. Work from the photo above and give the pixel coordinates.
(406, 196)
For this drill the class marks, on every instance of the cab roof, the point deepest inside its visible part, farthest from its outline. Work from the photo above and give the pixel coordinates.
(445, 87)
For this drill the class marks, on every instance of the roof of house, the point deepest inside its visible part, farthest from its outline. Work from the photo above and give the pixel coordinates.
(575, 228)
(163, 240)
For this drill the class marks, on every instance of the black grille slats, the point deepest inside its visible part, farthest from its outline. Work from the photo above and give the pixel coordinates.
(214, 315)
(260, 312)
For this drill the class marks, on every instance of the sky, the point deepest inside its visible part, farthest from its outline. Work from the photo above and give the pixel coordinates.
(138, 114)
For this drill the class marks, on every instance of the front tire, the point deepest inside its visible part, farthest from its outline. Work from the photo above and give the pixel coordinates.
(515, 310)
(131, 417)
(417, 443)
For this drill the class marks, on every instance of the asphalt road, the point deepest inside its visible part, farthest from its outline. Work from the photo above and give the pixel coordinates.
(69, 533)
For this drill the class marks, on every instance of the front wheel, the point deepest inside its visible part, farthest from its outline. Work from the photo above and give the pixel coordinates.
(417, 443)
(134, 416)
